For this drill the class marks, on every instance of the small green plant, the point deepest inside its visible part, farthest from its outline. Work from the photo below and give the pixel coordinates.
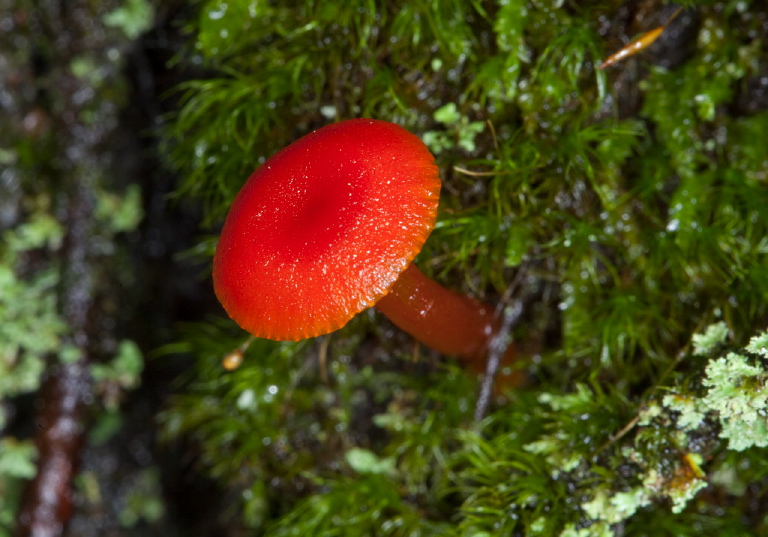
(134, 18)
(460, 132)
(30, 329)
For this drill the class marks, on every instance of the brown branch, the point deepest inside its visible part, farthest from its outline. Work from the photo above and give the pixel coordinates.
(47, 502)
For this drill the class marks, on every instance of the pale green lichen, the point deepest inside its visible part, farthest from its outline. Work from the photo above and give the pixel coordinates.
(553, 447)
(681, 497)
(680, 486)
(759, 345)
(686, 482)
(613, 508)
(692, 411)
(598, 529)
(705, 343)
(739, 396)
(736, 395)
(648, 413)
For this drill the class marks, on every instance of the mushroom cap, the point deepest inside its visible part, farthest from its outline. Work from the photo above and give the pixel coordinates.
(322, 229)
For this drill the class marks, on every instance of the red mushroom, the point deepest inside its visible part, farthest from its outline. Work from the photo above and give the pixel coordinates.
(328, 227)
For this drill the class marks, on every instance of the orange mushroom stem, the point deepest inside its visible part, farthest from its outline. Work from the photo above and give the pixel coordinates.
(446, 321)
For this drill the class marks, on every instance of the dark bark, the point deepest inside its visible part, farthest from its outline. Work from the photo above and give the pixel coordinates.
(81, 124)
(47, 503)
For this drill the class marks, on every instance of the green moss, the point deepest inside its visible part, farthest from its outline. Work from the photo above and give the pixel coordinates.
(16, 465)
(626, 207)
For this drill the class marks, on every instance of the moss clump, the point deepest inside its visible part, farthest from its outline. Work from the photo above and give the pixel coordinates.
(625, 207)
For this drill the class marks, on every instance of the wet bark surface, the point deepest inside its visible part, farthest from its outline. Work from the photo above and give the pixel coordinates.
(84, 97)
(47, 503)
(62, 419)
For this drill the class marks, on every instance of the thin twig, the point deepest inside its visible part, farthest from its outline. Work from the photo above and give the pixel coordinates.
(499, 343)
(323, 359)
(493, 135)
(615, 438)
(479, 174)
(309, 361)
(496, 349)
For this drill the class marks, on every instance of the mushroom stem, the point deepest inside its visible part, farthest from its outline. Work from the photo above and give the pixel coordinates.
(444, 320)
